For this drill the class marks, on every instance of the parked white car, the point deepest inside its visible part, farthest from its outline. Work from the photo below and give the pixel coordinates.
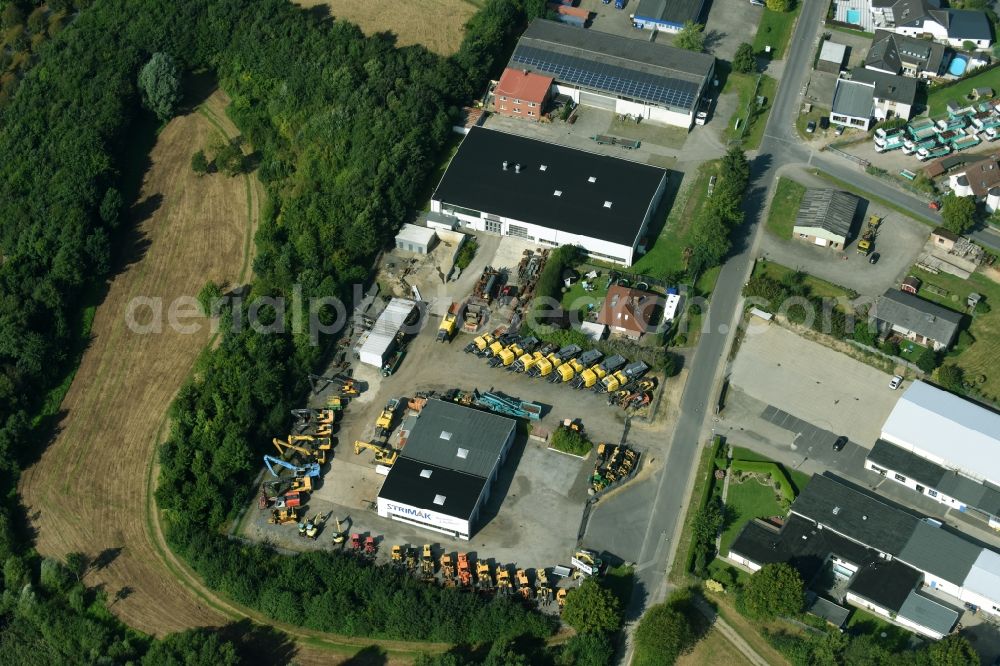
(895, 382)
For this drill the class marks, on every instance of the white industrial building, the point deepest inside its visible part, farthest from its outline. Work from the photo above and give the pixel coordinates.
(384, 335)
(943, 447)
(447, 469)
(412, 238)
(628, 76)
(549, 194)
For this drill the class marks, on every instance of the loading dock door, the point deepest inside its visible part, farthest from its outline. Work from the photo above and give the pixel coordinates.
(597, 101)
(821, 242)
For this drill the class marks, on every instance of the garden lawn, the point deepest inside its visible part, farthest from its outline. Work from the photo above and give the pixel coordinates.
(799, 479)
(979, 359)
(784, 207)
(577, 292)
(775, 29)
(746, 501)
(937, 100)
(667, 254)
(803, 119)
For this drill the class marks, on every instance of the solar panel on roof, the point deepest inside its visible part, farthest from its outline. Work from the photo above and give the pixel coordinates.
(611, 78)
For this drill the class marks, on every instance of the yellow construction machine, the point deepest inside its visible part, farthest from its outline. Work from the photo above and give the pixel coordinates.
(383, 425)
(483, 577)
(410, 557)
(427, 562)
(503, 580)
(397, 555)
(384, 455)
(319, 455)
(284, 516)
(524, 585)
(561, 597)
(447, 570)
(340, 535)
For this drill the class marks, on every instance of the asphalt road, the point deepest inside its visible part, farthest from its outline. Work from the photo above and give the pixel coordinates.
(779, 147)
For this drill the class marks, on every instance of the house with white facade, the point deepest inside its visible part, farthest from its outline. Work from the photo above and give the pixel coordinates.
(928, 19)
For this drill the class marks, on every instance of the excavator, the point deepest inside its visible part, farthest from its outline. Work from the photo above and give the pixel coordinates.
(396, 557)
(384, 455)
(339, 536)
(483, 577)
(524, 585)
(356, 543)
(371, 548)
(561, 597)
(587, 562)
(284, 516)
(447, 570)
(464, 572)
(427, 562)
(283, 447)
(544, 592)
(311, 528)
(309, 469)
(503, 580)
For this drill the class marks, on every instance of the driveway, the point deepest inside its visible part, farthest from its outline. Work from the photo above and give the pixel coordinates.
(729, 24)
(899, 241)
(812, 383)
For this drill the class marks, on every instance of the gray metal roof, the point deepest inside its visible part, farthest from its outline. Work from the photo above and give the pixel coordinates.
(854, 99)
(670, 11)
(915, 314)
(928, 613)
(968, 24)
(940, 552)
(933, 423)
(984, 578)
(621, 66)
(828, 209)
(902, 89)
(857, 515)
(833, 613)
(458, 438)
(833, 52)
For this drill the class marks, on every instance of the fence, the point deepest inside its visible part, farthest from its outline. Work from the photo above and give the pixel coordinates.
(854, 158)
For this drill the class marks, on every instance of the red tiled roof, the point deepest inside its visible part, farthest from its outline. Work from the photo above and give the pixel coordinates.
(523, 85)
(570, 11)
(627, 308)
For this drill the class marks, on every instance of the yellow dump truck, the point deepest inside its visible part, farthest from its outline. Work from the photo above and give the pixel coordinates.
(446, 331)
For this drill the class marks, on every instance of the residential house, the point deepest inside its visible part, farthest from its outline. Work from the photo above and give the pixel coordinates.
(825, 217)
(853, 104)
(977, 179)
(629, 312)
(894, 96)
(907, 56)
(919, 18)
(521, 94)
(915, 319)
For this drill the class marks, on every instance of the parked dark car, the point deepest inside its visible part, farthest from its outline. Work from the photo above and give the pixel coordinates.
(824, 122)
(874, 258)
(840, 443)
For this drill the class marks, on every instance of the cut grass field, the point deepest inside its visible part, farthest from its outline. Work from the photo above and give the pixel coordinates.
(775, 29)
(784, 207)
(88, 490)
(437, 24)
(667, 254)
(937, 100)
(713, 648)
(980, 358)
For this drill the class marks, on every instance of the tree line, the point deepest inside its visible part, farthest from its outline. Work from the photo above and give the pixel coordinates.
(347, 129)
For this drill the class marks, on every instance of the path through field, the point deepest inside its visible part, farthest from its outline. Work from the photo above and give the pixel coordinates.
(89, 490)
(437, 24)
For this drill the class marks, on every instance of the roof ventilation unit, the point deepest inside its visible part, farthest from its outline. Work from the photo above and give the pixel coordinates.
(505, 165)
(517, 168)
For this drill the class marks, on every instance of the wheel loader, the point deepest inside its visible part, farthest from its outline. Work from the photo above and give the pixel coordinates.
(284, 516)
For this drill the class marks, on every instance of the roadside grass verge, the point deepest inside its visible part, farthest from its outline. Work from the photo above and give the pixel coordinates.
(803, 119)
(775, 30)
(784, 207)
(753, 118)
(705, 487)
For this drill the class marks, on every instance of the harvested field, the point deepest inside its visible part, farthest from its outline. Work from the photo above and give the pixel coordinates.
(90, 490)
(437, 24)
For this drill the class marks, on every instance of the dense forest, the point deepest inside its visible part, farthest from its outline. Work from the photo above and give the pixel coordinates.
(346, 129)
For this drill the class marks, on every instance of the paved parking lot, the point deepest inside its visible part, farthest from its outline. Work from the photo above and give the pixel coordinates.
(813, 383)
(729, 24)
(899, 241)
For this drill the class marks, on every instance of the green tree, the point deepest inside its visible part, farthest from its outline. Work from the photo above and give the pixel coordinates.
(958, 213)
(199, 163)
(587, 650)
(663, 634)
(111, 207)
(779, 5)
(209, 297)
(229, 158)
(691, 37)
(969, 46)
(927, 359)
(744, 61)
(502, 653)
(982, 307)
(592, 608)
(11, 16)
(194, 647)
(37, 20)
(953, 650)
(773, 591)
(951, 377)
(160, 83)
(864, 333)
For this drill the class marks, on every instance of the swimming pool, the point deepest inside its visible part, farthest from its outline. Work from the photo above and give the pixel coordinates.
(957, 65)
(854, 16)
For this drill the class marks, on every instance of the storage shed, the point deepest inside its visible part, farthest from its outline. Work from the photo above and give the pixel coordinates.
(412, 238)
(831, 57)
(381, 340)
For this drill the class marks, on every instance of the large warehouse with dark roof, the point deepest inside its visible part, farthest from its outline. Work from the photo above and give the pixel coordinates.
(621, 74)
(549, 194)
(446, 471)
